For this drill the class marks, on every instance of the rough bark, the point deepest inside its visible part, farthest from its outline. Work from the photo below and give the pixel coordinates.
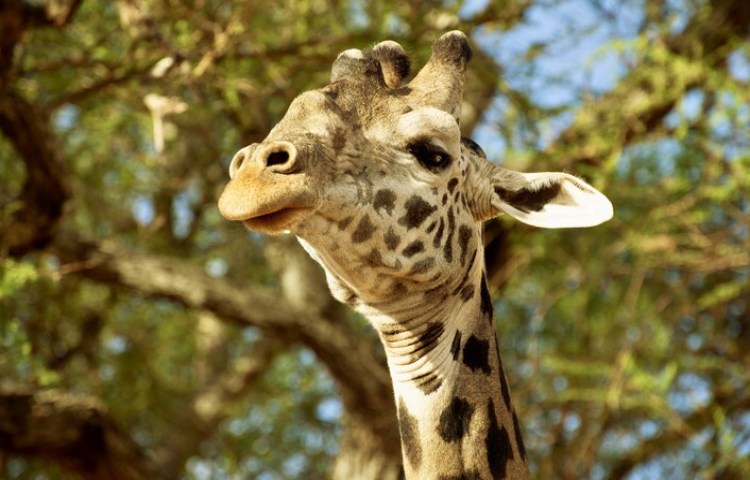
(309, 317)
(75, 430)
(367, 450)
(45, 190)
(26, 126)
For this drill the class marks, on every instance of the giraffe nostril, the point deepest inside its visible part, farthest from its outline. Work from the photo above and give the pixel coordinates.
(236, 163)
(277, 158)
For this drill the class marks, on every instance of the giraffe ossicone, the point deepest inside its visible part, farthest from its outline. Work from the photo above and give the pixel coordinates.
(370, 172)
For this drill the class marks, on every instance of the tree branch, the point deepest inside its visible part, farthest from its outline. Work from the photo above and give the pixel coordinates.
(369, 442)
(326, 328)
(196, 418)
(75, 430)
(62, 11)
(46, 188)
(670, 437)
(636, 106)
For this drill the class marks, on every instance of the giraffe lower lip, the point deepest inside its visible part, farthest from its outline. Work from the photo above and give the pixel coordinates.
(277, 221)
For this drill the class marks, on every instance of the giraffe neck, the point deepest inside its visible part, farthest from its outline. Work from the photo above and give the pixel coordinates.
(454, 408)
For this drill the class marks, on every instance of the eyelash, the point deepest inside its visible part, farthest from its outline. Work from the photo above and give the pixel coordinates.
(430, 156)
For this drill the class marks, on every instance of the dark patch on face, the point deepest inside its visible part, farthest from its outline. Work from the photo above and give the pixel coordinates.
(473, 146)
(486, 300)
(339, 139)
(417, 211)
(452, 184)
(438, 234)
(455, 420)
(466, 293)
(448, 247)
(364, 230)
(519, 436)
(413, 248)
(526, 200)
(431, 227)
(476, 354)
(444, 199)
(427, 382)
(428, 340)
(374, 259)
(391, 239)
(386, 199)
(464, 235)
(456, 345)
(344, 222)
(331, 105)
(461, 198)
(409, 429)
(497, 443)
(422, 266)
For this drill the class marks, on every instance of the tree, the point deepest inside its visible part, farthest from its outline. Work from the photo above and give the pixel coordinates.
(144, 337)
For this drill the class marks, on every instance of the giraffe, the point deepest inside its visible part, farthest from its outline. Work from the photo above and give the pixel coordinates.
(372, 176)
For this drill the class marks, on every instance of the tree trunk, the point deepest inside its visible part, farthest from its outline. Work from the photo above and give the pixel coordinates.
(366, 453)
(75, 430)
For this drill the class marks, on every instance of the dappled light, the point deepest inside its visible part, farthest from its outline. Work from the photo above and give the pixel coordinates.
(143, 336)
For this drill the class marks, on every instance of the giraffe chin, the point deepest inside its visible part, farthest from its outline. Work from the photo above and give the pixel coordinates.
(277, 222)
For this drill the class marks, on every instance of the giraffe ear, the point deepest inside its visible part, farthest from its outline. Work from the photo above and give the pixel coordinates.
(549, 200)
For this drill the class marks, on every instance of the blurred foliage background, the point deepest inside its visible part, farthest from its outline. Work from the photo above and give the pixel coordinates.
(141, 336)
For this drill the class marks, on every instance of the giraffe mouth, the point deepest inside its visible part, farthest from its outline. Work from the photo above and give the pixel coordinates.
(278, 221)
(268, 206)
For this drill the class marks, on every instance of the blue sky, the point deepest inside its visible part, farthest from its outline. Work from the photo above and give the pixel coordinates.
(575, 55)
(583, 53)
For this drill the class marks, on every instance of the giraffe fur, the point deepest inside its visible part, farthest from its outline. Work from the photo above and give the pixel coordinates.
(371, 174)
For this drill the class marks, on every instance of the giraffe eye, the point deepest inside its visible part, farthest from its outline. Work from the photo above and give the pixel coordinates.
(429, 156)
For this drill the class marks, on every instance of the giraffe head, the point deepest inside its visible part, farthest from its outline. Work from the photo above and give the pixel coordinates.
(372, 175)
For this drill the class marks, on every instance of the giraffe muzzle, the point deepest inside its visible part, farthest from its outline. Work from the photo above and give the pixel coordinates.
(268, 191)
